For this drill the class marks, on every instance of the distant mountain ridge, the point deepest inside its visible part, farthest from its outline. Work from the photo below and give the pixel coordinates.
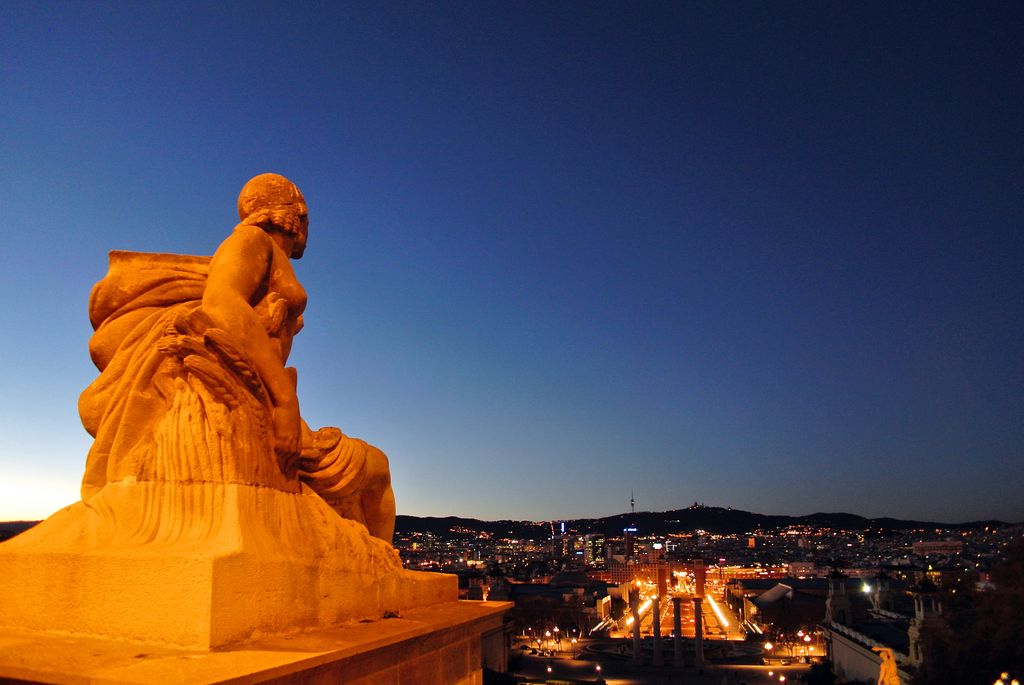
(8, 529)
(722, 521)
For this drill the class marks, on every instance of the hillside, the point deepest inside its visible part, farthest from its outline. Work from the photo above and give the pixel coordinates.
(723, 521)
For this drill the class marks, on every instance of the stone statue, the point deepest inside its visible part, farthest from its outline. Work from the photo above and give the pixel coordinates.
(202, 470)
(192, 351)
(888, 672)
(352, 476)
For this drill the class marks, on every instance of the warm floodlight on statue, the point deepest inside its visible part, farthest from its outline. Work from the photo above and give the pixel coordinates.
(211, 514)
(888, 669)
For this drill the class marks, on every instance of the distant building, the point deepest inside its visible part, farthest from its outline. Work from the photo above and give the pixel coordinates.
(629, 533)
(803, 569)
(855, 630)
(629, 570)
(562, 546)
(939, 547)
(801, 602)
(594, 549)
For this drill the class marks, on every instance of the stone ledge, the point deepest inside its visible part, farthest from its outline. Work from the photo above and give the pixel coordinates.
(438, 645)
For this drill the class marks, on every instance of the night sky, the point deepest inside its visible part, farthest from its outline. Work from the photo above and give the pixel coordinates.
(760, 255)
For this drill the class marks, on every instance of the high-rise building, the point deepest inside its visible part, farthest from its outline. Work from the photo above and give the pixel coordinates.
(594, 549)
(629, 533)
(561, 546)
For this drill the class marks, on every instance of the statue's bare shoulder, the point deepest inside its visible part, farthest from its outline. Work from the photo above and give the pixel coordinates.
(251, 239)
(241, 262)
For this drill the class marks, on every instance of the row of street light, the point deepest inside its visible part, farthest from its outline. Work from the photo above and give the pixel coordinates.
(553, 639)
(803, 641)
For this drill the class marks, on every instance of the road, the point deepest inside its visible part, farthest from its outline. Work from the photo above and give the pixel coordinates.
(617, 672)
(719, 620)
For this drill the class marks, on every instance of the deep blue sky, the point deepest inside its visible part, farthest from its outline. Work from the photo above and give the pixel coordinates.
(761, 255)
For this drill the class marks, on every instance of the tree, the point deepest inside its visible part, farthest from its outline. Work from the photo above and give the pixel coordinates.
(820, 674)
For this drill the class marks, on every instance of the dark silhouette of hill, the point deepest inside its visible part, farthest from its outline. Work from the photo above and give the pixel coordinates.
(718, 520)
(722, 521)
(8, 529)
(450, 526)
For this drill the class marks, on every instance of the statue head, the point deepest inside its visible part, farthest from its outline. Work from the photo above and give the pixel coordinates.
(274, 203)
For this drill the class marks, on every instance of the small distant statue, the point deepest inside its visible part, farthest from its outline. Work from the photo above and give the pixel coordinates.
(888, 672)
(193, 383)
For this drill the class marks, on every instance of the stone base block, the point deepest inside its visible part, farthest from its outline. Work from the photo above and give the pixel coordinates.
(438, 645)
(272, 563)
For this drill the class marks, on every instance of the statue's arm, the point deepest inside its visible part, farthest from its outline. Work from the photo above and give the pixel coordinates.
(237, 271)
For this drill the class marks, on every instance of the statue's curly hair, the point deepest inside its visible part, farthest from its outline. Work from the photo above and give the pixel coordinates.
(268, 201)
(283, 218)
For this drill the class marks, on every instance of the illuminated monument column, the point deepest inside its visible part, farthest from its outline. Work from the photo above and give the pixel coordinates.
(677, 626)
(212, 516)
(634, 608)
(698, 617)
(698, 631)
(656, 608)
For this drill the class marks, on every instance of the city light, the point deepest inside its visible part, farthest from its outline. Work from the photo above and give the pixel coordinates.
(773, 644)
(640, 611)
(722, 620)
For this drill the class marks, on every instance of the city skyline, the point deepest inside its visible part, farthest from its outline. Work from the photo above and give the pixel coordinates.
(760, 257)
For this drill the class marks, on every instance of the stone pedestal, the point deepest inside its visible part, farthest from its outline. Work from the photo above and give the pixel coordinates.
(439, 645)
(257, 563)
